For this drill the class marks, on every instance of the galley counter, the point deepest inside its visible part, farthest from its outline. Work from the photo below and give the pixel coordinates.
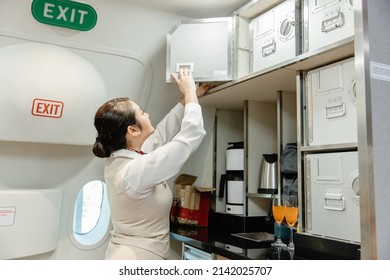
(219, 240)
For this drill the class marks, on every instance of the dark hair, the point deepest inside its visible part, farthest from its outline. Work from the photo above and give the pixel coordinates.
(111, 122)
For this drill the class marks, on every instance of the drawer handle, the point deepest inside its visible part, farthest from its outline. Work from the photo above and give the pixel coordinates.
(269, 49)
(332, 22)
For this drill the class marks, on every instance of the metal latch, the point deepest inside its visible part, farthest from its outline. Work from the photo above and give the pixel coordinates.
(334, 201)
(269, 48)
(336, 111)
(187, 65)
(332, 21)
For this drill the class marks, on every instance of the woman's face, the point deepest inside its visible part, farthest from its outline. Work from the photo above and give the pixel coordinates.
(143, 118)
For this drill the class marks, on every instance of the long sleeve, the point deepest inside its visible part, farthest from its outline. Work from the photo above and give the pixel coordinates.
(142, 174)
(166, 129)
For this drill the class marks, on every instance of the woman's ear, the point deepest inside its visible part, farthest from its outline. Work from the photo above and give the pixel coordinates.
(133, 131)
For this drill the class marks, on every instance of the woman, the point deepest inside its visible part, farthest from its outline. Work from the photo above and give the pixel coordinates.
(139, 198)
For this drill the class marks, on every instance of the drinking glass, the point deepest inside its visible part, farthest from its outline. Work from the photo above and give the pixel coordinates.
(291, 202)
(278, 211)
(277, 252)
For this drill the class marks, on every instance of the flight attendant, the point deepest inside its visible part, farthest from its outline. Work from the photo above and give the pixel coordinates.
(140, 158)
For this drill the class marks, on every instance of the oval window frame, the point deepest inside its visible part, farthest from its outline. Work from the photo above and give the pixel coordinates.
(98, 238)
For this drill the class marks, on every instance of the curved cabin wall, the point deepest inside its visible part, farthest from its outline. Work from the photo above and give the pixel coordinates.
(54, 91)
(51, 92)
(38, 211)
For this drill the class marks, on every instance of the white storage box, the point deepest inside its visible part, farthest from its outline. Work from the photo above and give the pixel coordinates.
(215, 49)
(274, 35)
(333, 195)
(327, 22)
(331, 104)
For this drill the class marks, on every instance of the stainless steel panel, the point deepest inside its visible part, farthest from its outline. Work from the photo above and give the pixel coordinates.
(372, 39)
(205, 45)
(256, 236)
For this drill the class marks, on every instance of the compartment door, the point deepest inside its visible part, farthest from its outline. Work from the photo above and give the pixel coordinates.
(329, 21)
(203, 45)
(331, 115)
(333, 195)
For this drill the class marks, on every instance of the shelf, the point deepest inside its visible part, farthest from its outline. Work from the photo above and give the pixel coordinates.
(260, 195)
(329, 148)
(264, 85)
(256, 7)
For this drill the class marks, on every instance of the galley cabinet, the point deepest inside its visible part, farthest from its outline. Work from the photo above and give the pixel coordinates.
(332, 31)
(326, 22)
(276, 35)
(215, 49)
(328, 153)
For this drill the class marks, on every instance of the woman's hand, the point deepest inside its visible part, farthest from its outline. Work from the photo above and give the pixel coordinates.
(186, 84)
(185, 81)
(202, 89)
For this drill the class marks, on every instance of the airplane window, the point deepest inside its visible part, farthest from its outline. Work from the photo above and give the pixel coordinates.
(91, 219)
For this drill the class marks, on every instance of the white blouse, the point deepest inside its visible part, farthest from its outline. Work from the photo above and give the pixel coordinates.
(139, 198)
(168, 148)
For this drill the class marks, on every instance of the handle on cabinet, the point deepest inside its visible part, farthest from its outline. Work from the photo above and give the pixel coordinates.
(332, 22)
(269, 48)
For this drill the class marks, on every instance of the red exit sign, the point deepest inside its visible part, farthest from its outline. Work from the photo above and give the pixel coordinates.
(47, 108)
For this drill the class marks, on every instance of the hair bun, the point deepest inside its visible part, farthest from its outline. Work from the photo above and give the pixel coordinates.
(100, 150)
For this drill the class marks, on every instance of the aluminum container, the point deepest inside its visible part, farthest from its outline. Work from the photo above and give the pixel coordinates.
(215, 49)
(331, 116)
(327, 22)
(332, 192)
(275, 35)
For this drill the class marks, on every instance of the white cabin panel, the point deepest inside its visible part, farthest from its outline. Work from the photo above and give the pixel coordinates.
(127, 49)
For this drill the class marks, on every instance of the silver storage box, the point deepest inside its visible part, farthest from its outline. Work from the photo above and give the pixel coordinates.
(333, 195)
(331, 116)
(210, 47)
(327, 22)
(274, 35)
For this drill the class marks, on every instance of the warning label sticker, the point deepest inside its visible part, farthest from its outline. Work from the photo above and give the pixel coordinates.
(7, 216)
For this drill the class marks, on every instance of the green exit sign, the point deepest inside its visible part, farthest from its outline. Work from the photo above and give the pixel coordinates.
(64, 13)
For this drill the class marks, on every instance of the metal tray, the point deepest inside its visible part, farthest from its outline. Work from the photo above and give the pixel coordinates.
(256, 236)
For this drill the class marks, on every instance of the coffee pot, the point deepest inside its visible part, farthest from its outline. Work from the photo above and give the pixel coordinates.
(268, 171)
(233, 180)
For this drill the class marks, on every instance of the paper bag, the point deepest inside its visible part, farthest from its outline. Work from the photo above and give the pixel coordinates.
(191, 204)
